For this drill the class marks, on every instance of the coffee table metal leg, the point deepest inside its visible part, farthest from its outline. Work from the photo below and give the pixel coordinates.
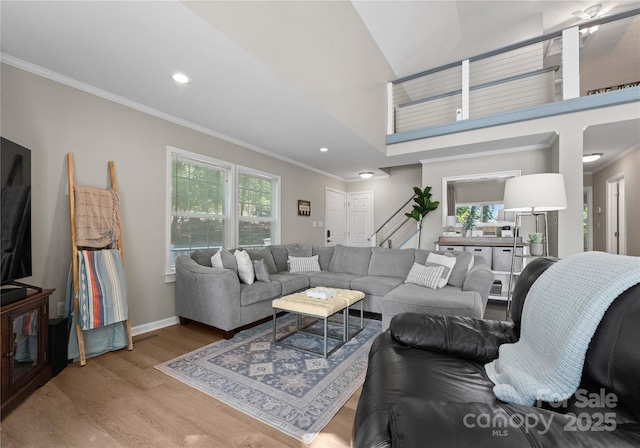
(274, 324)
(326, 333)
(345, 324)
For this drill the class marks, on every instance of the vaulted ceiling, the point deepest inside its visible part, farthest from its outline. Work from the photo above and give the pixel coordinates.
(283, 78)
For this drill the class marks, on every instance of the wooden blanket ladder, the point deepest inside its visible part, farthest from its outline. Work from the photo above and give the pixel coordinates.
(74, 257)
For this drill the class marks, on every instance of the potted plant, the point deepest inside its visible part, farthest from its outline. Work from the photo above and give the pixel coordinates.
(536, 243)
(469, 220)
(421, 207)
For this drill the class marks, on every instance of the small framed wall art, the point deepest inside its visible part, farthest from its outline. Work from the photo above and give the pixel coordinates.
(304, 208)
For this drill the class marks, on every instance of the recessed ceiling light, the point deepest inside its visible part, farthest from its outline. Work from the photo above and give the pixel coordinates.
(181, 78)
(323, 149)
(366, 174)
(591, 157)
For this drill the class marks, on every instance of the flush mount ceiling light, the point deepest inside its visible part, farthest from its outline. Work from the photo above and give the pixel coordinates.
(591, 157)
(323, 149)
(366, 174)
(180, 78)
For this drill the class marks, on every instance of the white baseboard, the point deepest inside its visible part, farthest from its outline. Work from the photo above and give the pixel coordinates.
(145, 328)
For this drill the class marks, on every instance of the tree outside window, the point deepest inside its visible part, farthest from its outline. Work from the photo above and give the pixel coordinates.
(255, 209)
(198, 206)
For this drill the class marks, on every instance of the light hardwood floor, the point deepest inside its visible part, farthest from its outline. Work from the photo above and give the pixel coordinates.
(120, 400)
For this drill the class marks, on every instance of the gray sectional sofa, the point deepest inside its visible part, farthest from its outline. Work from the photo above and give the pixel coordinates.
(216, 297)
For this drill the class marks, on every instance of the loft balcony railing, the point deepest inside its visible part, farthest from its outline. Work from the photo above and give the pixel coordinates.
(597, 56)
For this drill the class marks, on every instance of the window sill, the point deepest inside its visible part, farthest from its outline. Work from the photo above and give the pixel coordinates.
(170, 278)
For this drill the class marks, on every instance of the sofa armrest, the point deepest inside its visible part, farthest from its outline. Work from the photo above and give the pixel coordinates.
(207, 295)
(465, 337)
(480, 279)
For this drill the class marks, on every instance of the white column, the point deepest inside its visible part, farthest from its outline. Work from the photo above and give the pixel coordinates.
(390, 123)
(570, 166)
(465, 89)
(570, 63)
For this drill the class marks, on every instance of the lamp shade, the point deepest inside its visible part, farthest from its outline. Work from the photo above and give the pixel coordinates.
(542, 192)
(452, 220)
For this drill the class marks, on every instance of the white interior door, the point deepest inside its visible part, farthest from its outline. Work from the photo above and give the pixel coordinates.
(616, 216)
(359, 218)
(335, 217)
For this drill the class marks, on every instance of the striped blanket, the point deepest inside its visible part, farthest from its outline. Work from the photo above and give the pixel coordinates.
(102, 293)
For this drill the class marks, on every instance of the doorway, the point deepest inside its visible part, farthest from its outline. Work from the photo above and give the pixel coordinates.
(335, 217)
(587, 218)
(359, 218)
(616, 215)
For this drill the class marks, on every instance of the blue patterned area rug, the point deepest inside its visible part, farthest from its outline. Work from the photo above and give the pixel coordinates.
(295, 392)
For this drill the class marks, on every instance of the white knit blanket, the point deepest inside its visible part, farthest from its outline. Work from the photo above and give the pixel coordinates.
(560, 315)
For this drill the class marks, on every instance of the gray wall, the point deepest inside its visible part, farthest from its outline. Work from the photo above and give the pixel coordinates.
(53, 119)
(529, 162)
(630, 166)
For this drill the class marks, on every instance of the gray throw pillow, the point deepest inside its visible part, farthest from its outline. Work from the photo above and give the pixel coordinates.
(262, 274)
(267, 256)
(459, 272)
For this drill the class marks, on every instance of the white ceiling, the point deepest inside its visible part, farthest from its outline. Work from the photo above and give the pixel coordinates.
(284, 78)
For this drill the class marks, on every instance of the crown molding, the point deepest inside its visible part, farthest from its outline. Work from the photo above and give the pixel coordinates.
(79, 85)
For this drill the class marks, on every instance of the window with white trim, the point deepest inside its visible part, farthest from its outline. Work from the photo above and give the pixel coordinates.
(257, 211)
(202, 211)
(199, 216)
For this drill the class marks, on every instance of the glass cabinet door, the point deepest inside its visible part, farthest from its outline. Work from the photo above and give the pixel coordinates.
(24, 340)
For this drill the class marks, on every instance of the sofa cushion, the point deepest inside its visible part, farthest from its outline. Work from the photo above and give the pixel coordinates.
(203, 256)
(351, 260)
(331, 279)
(267, 256)
(421, 255)
(280, 254)
(325, 254)
(291, 282)
(417, 299)
(375, 285)
(258, 292)
(225, 260)
(301, 251)
(304, 264)
(391, 262)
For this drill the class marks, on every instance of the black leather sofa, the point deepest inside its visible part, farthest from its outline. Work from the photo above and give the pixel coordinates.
(441, 397)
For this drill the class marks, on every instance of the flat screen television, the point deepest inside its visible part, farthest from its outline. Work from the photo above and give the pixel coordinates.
(15, 216)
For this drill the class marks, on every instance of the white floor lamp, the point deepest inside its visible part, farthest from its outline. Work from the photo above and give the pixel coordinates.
(534, 194)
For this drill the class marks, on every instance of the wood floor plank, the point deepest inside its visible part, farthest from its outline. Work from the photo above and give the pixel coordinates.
(120, 400)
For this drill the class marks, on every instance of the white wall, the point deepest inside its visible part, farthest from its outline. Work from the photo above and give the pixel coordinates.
(53, 119)
(389, 194)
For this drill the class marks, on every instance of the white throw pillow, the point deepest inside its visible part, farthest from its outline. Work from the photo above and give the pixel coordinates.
(216, 260)
(422, 275)
(245, 267)
(443, 260)
(304, 264)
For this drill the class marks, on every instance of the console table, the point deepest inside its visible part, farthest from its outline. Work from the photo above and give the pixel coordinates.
(24, 344)
(496, 250)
